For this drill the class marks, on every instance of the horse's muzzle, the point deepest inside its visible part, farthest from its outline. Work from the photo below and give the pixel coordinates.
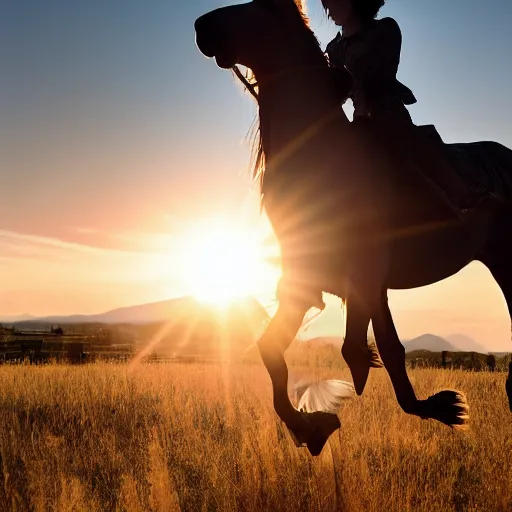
(204, 36)
(211, 39)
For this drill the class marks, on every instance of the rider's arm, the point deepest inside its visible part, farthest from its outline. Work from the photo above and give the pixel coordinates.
(341, 76)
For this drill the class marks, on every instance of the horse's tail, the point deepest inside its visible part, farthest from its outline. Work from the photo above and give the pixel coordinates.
(325, 396)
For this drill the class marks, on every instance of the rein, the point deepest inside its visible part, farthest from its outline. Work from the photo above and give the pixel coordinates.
(250, 87)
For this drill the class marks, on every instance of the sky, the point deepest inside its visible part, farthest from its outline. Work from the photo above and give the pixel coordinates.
(117, 136)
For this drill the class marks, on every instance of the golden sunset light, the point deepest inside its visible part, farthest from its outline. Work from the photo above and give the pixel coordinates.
(223, 262)
(256, 255)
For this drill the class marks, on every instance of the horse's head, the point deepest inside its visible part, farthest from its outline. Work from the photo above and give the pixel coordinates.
(263, 35)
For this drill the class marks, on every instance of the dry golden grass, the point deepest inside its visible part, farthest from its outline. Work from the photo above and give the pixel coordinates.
(205, 437)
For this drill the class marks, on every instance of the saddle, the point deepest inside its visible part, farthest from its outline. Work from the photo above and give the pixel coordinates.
(423, 150)
(430, 132)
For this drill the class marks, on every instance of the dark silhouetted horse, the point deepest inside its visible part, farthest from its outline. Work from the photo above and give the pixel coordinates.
(352, 215)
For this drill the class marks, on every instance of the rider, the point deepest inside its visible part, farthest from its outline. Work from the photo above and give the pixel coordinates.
(369, 50)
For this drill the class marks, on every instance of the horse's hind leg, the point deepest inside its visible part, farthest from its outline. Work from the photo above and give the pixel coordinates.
(311, 429)
(498, 261)
(447, 406)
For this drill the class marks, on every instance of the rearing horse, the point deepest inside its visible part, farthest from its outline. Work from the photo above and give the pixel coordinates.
(351, 217)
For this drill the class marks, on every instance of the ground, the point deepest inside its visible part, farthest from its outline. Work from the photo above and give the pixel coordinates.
(195, 437)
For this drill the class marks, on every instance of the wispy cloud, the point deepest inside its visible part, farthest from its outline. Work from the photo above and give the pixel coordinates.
(162, 241)
(39, 257)
(40, 273)
(25, 244)
(29, 240)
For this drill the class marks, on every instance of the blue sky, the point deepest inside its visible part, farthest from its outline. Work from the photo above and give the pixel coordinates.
(113, 127)
(91, 77)
(86, 83)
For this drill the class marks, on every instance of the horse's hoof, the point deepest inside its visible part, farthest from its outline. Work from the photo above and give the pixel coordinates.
(325, 424)
(448, 406)
(298, 438)
(315, 432)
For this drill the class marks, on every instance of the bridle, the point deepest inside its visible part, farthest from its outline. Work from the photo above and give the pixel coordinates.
(250, 87)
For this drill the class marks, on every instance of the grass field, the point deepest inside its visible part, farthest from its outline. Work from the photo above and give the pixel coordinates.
(204, 437)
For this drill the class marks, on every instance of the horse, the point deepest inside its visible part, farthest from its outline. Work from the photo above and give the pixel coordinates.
(351, 217)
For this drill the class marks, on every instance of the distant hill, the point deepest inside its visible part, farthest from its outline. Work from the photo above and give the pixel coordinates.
(183, 326)
(452, 343)
(173, 309)
(426, 342)
(16, 318)
(429, 342)
(464, 343)
(140, 314)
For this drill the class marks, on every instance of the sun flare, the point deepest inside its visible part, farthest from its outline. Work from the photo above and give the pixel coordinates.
(224, 263)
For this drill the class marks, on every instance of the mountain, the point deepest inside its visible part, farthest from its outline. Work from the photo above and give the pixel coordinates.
(177, 327)
(147, 313)
(425, 342)
(464, 343)
(429, 342)
(17, 318)
(140, 314)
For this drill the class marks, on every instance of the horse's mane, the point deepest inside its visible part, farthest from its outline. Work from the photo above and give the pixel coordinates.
(294, 16)
(302, 9)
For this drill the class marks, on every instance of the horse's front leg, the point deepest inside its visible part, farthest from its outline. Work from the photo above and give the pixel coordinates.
(449, 407)
(274, 342)
(311, 429)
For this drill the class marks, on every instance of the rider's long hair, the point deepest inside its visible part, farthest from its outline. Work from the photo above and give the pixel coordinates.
(367, 10)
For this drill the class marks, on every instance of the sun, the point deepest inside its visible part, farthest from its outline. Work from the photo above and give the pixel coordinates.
(224, 262)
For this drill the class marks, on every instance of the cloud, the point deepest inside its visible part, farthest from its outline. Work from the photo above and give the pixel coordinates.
(164, 239)
(38, 260)
(31, 242)
(28, 245)
(47, 274)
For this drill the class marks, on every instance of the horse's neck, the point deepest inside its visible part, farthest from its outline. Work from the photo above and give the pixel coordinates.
(309, 142)
(295, 111)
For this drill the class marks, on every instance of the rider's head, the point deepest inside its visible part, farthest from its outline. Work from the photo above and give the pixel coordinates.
(344, 12)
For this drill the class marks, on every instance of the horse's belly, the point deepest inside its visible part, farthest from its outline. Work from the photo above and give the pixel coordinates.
(434, 255)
